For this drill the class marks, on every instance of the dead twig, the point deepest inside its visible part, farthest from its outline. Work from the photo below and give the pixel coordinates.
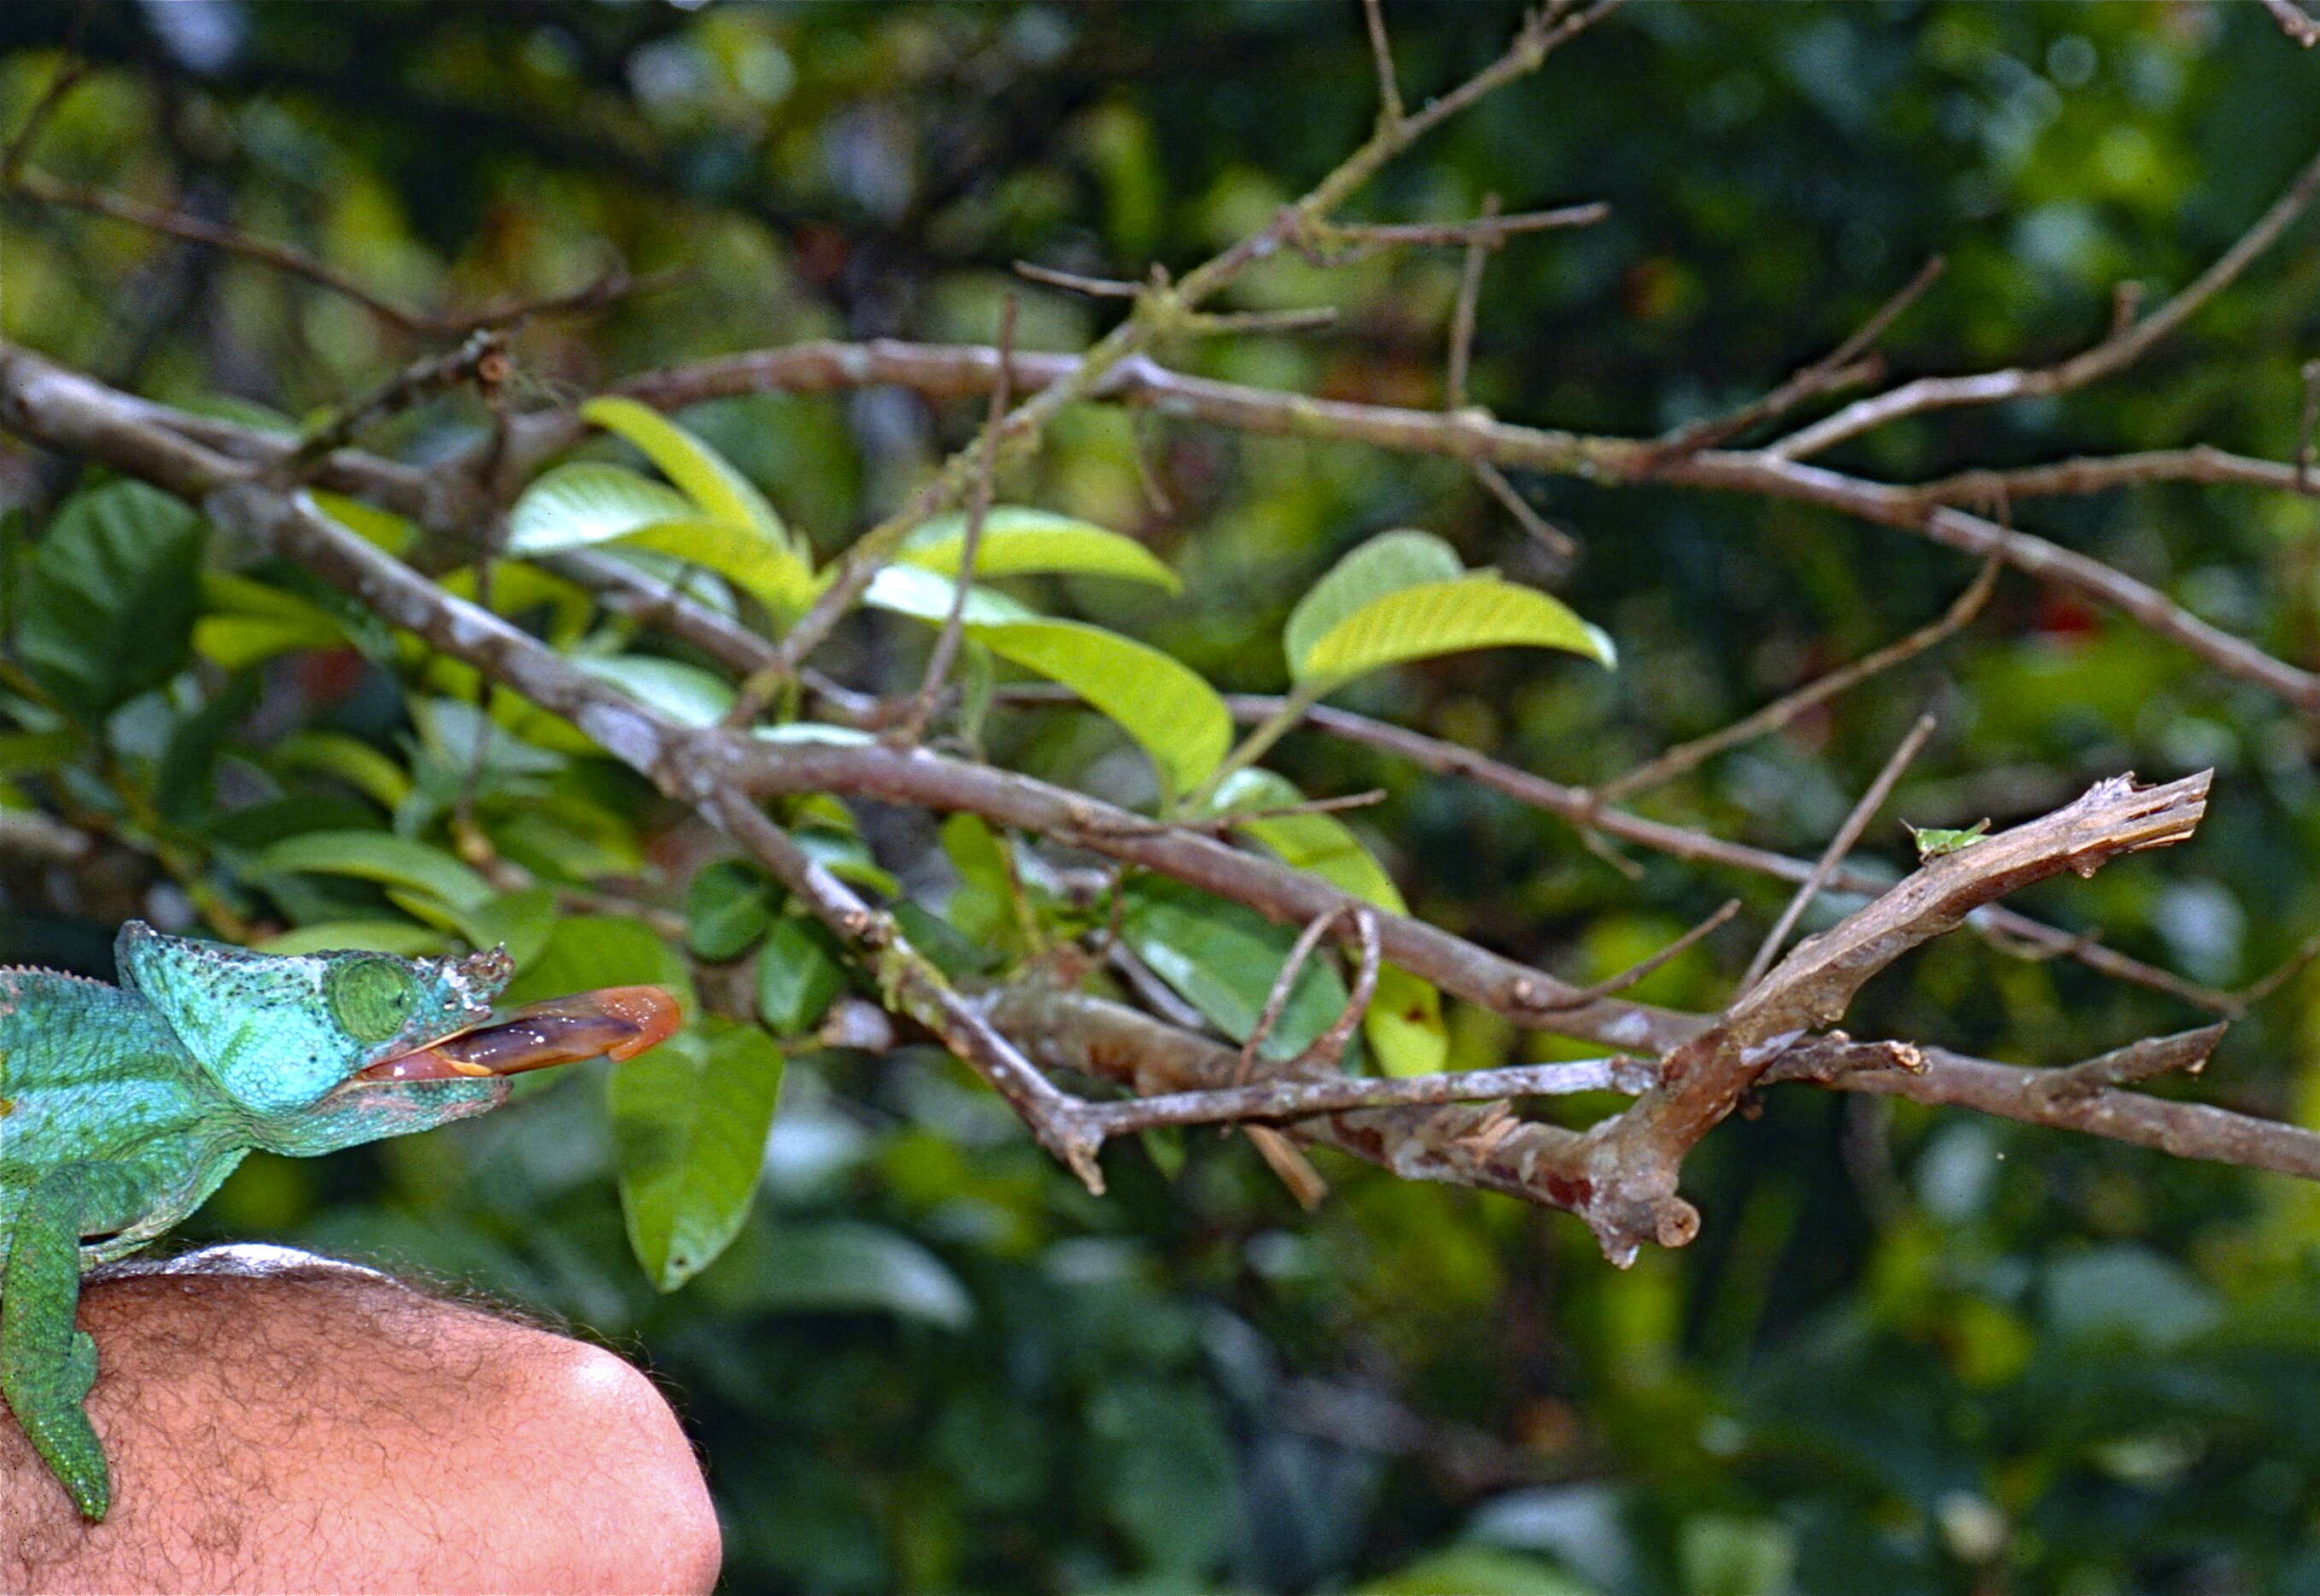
(1381, 49)
(1325, 1050)
(1633, 973)
(1285, 984)
(1836, 368)
(912, 723)
(1470, 298)
(1689, 755)
(2120, 348)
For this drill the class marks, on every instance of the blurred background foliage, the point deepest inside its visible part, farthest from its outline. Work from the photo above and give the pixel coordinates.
(1912, 1351)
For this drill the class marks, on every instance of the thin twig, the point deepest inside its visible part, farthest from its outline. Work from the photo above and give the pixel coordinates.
(1544, 532)
(1336, 242)
(1381, 49)
(1470, 297)
(1325, 1050)
(1096, 287)
(1613, 984)
(68, 76)
(1838, 846)
(1289, 1098)
(407, 387)
(2278, 976)
(1833, 369)
(1689, 755)
(1285, 984)
(912, 725)
(2119, 349)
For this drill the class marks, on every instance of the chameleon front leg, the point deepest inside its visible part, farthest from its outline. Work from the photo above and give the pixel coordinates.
(47, 1364)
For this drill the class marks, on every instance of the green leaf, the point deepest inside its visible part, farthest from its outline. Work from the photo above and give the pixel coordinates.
(108, 602)
(983, 904)
(1477, 612)
(375, 855)
(587, 502)
(1223, 960)
(590, 950)
(800, 974)
(723, 492)
(398, 937)
(763, 568)
(1403, 1022)
(352, 761)
(840, 1267)
(382, 528)
(1385, 564)
(728, 905)
(1158, 701)
(519, 922)
(252, 621)
(1017, 541)
(689, 1125)
(681, 691)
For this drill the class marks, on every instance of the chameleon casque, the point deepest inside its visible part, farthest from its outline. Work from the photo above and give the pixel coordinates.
(122, 1109)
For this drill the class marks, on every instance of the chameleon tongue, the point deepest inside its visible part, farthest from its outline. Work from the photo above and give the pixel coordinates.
(617, 1021)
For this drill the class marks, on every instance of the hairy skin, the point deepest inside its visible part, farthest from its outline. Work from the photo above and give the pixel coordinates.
(284, 1423)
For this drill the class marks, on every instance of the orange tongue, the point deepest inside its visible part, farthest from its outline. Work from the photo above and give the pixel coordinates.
(614, 1022)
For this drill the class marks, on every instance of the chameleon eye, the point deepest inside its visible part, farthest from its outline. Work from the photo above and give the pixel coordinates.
(371, 997)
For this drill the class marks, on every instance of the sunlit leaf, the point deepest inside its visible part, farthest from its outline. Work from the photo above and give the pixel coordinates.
(1477, 612)
(375, 855)
(689, 1121)
(1385, 564)
(681, 691)
(1157, 700)
(351, 761)
(398, 937)
(723, 492)
(586, 502)
(1017, 541)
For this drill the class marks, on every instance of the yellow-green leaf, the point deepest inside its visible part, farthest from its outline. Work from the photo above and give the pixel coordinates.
(589, 502)
(1475, 612)
(1385, 564)
(1017, 541)
(374, 855)
(707, 478)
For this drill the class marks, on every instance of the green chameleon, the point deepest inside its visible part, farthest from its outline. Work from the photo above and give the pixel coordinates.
(122, 1108)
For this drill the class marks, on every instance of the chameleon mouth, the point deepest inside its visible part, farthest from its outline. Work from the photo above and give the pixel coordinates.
(614, 1022)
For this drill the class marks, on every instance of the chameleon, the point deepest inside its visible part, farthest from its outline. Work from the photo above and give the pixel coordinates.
(122, 1108)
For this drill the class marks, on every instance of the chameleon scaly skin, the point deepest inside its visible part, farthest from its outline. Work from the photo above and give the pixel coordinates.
(122, 1108)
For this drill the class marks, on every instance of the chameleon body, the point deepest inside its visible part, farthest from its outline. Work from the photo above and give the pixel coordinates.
(122, 1109)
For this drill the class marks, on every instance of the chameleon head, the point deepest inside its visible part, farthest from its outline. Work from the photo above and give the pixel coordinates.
(279, 1033)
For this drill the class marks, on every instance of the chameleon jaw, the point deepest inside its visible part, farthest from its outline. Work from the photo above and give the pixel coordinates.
(614, 1022)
